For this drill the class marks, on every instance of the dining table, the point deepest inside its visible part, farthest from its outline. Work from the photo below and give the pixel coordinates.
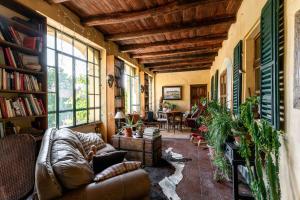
(174, 117)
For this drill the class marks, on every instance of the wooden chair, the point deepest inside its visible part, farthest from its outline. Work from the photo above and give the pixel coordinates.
(17, 166)
(162, 119)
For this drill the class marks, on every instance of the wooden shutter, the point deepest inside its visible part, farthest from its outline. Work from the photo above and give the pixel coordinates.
(237, 76)
(216, 93)
(212, 88)
(272, 50)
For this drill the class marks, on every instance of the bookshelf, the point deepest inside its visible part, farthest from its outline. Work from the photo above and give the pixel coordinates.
(119, 86)
(146, 92)
(23, 72)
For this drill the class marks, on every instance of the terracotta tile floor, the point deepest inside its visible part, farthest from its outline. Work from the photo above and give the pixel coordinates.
(197, 182)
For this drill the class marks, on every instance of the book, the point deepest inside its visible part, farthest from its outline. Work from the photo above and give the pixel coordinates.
(10, 57)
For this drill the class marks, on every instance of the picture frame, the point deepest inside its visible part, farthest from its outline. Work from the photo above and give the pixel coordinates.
(172, 92)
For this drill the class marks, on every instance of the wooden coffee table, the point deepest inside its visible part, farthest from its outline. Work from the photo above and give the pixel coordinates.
(148, 151)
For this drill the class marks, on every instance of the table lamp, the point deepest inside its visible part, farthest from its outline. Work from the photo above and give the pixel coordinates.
(119, 115)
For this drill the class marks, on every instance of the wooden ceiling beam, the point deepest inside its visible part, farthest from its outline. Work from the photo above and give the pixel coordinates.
(214, 39)
(178, 64)
(178, 58)
(212, 22)
(192, 68)
(123, 17)
(57, 1)
(179, 52)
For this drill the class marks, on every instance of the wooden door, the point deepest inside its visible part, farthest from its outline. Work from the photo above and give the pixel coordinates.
(197, 93)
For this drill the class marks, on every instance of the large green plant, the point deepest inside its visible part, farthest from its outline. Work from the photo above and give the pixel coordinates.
(265, 183)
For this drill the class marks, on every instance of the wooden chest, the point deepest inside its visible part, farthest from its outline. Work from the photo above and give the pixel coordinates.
(148, 151)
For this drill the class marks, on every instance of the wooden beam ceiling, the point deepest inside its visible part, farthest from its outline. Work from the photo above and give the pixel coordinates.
(178, 64)
(178, 58)
(179, 52)
(207, 23)
(124, 17)
(57, 1)
(213, 38)
(181, 69)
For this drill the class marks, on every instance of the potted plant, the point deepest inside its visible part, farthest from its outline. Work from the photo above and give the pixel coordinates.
(127, 129)
(238, 129)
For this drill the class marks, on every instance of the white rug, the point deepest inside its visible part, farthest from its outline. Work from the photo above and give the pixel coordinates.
(168, 184)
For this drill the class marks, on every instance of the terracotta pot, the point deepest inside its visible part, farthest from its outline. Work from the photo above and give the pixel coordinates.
(128, 132)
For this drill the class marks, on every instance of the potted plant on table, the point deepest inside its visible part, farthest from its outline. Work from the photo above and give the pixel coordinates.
(127, 129)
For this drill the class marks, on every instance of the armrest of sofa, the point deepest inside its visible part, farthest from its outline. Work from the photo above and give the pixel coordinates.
(129, 186)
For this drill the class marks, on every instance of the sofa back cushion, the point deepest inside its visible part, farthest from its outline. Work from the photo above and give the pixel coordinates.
(68, 160)
(89, 139)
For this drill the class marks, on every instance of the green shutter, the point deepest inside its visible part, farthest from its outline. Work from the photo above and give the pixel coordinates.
(272, 42)
(237, 77)
(212, 88)
(216, 92)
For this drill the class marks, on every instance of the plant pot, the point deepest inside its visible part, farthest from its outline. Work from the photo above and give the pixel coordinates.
(128, 132)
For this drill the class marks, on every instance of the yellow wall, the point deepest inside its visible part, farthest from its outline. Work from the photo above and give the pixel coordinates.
(184, 79)
(248, 18)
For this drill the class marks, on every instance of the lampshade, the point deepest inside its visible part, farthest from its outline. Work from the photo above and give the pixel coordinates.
(119, 115)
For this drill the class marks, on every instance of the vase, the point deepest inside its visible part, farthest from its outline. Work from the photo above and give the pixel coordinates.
(128, 132)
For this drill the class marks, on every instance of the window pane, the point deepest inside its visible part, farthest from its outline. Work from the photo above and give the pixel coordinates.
(97, 114)
(81, 117)
(80, 50)
(91, 69)
(51, 80)
(90, 55)
(97, 86)
(91, 85)
(51, 102)
(65, 119)
(64, 43)
(97, 101)
(91, 101)
(96, 58)
(80, 73)
(97, 72)
(91, 115)
(50, 57)
(50, 37)
(65, 82)
(52, 120)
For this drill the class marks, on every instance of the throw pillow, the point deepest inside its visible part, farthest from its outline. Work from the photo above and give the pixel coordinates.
(105, 160)
(117, 169)
(89, 139)
(70, 166)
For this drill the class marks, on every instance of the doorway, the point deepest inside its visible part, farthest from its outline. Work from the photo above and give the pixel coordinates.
(197, 93)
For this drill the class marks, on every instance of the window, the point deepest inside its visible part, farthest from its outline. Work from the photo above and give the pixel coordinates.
(132, 91)
(257, 64)
(223, 88)
(150, 93)
(73, 81)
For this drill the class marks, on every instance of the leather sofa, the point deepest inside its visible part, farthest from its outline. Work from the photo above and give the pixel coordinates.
(129, 186)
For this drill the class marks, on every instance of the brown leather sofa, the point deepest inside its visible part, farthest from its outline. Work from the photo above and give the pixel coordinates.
(129, 186)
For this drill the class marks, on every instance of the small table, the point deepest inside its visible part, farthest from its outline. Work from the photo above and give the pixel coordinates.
(148, 151)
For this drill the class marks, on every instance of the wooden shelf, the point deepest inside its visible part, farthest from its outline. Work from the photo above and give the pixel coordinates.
(22, 92)
(22, 70)
(19, 48)
(24, 29)
(27, 117)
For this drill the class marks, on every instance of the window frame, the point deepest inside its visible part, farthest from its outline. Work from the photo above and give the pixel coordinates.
(74, 58)
(132, 76)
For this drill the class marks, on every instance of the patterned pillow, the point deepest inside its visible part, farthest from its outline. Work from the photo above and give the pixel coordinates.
(117, 169)
(89, 139)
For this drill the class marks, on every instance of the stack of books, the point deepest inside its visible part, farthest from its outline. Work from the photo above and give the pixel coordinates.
(151, 132)
(21, 107)
(18, 81)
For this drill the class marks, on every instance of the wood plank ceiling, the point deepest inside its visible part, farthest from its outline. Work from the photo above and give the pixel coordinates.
(164, 35)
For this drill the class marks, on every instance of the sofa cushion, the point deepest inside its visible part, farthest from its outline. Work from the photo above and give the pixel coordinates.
(68, 161)
(105, 160)
(89, 139)
(106, 149)
(117, 169)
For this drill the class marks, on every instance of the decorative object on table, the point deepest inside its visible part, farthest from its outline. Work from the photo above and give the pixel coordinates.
(172, 92)
(167, 106)
(151, 132)
(142, 88)
(110, 80)
(127, 129)
(139, 126)
(119, 116)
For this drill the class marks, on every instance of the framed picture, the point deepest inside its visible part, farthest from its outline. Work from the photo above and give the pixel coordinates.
(172, 92)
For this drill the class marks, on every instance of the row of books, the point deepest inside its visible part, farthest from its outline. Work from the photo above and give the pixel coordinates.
(151, 132)
(18, 81)
(21, 107)
(10, 34)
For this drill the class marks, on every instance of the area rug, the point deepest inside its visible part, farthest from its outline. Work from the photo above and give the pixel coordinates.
(166, 175)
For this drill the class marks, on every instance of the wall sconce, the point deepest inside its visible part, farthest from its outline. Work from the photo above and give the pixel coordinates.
(142, 88)
(110, 80)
